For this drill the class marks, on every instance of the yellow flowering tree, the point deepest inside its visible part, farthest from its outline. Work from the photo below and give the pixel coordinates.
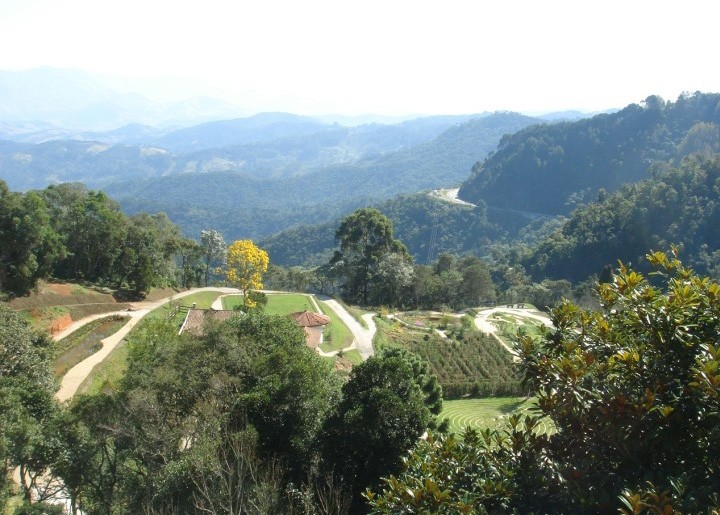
(245, 265)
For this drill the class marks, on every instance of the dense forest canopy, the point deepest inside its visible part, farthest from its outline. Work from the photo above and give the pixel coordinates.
(681, 206)
(70, 232)
(550, 168)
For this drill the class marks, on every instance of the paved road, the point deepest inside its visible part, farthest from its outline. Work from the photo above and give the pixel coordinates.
(363, 337)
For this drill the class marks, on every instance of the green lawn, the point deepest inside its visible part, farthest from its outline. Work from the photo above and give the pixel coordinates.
(353, 356)
(485, 413)
(336, 336)
(277, 304)
(106, 376)
(84, 342)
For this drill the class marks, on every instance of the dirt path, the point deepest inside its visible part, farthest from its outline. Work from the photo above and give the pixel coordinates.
(77, 374)
(362, 337)
(483, 323)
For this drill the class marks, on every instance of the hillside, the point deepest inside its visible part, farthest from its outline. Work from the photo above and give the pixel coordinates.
(229, 201)
(426, 225)
(550, 168)
(680, 207)
(268, 145)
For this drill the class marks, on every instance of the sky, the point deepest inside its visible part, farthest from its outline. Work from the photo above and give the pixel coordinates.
(391, 57)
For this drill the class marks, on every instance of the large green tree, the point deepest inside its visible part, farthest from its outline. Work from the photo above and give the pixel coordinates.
(27, 405)
(365, 237)
(29, 247)
(387, 404)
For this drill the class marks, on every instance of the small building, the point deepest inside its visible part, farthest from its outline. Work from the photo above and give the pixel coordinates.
(313, 325)
(196, 319)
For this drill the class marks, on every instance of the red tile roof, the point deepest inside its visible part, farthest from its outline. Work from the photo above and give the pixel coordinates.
(309, 319)
(196, 318)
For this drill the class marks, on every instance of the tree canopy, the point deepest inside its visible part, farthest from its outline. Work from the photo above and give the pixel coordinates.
(246, 263)
(365, 237)
(633, 394)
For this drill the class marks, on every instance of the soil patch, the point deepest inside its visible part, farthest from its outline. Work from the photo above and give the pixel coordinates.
(60, 323)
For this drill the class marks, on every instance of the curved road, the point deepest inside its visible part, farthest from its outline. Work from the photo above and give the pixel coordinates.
(486, 326)
(363, 337)
(76, 375)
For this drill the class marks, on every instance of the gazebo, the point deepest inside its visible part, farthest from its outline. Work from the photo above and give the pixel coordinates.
(313, 325)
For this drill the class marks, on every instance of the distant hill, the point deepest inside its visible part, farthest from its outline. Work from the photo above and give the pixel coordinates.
(551, 168)
(426, 225)
(266, 146)
(333, 189)
(76, 100)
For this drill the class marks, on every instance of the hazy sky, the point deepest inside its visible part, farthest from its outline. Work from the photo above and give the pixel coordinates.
(383, 57)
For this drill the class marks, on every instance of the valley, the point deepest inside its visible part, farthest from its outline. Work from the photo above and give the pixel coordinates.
(497, 318)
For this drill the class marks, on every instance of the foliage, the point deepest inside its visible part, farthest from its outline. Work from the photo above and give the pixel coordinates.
(427, 225)
(27, 406)
(71, 233)
(244, 268)
(28, 243)
(266, 186)
(382, 413)
(550, 168)
(214, 250)
(488, 472)
(365, 238)
(633, 391)
(232, 416)
(681, 206)
(468, 363)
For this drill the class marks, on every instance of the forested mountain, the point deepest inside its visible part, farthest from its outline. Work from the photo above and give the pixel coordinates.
(549, 168)
(426, 225)
(265, 146)
(244, 206)
(680, 207)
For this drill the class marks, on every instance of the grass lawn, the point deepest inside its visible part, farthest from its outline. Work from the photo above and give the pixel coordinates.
(353, 356)
(277, 304)
(106, 376)
(84, 342)
(485, 413)
(336, 336)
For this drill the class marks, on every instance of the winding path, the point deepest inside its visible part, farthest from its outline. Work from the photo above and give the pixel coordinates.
(362, 337)
(484, 324)
(76, 375)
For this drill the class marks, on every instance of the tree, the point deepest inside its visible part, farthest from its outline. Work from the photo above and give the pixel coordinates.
(633, 391)
(29, 247)
(365, 236)
(394, 275)
(27, 405)
(95, 229)
(214, 250)
(380, 417)
(245, 265)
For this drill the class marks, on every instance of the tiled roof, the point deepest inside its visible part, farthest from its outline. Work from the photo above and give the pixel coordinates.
(309, 319)
(196, 318)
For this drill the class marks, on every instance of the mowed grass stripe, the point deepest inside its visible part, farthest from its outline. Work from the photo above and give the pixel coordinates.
(487, 413)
